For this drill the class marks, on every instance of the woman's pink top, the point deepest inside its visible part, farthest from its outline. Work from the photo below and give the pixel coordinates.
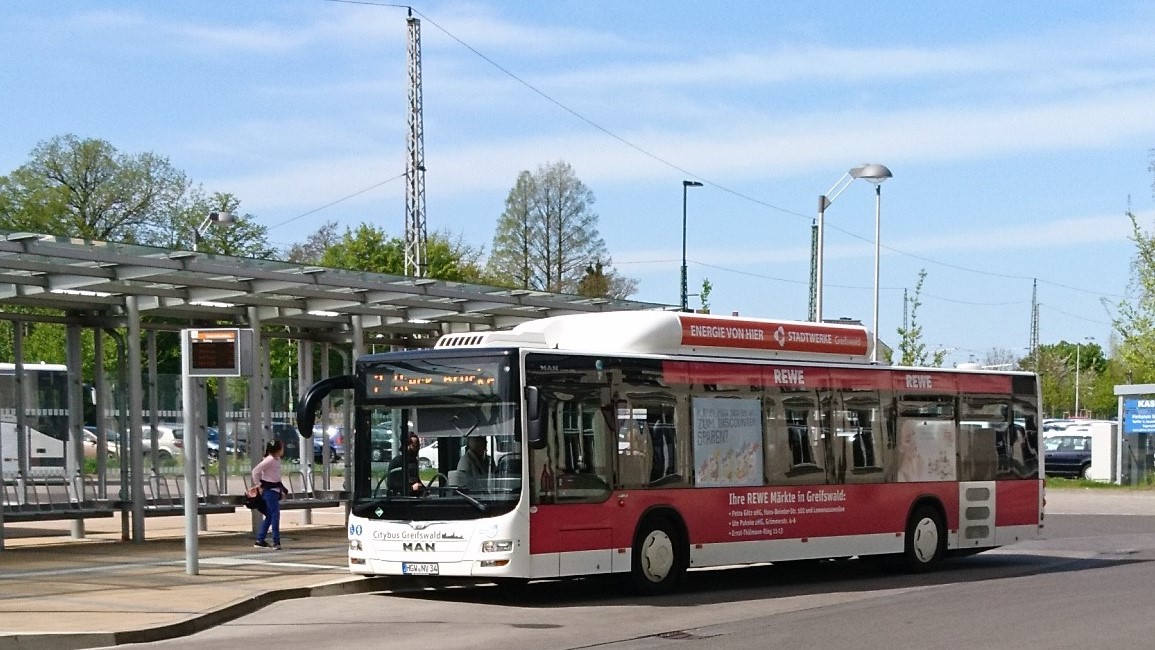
(269, 469)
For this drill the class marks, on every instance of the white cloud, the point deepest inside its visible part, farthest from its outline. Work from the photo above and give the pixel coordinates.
(1068, 232)
(758, 150)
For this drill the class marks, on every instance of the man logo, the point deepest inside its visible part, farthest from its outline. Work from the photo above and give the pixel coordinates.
(425, 547)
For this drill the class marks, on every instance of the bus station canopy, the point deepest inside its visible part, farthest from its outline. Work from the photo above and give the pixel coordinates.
(95, 278)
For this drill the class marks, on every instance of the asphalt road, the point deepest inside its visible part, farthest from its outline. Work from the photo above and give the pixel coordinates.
(1087, 585)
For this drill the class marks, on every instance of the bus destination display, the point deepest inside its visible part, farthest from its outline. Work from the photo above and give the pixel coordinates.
(431, 381)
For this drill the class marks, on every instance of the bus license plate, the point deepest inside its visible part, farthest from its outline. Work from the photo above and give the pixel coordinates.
(419, 568)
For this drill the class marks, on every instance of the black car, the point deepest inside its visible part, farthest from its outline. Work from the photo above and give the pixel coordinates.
(291, 438)
(213, 442)
(380, 443)
(1067, 455)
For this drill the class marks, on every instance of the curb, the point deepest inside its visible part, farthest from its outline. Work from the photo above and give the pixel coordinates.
(192, 625)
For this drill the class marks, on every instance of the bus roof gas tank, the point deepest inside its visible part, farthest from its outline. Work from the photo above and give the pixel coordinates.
(654, 332)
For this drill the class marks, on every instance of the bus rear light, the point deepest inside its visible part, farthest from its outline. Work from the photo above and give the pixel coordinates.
(497, 546)
(489, 564)
(357, 560)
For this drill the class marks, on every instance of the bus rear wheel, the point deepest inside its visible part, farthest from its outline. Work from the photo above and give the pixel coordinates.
(660, 558)
(925, 540)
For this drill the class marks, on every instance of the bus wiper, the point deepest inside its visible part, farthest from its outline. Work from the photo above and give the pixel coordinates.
(481, 507)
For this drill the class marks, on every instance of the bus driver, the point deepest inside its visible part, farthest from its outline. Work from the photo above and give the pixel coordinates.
(475, 465)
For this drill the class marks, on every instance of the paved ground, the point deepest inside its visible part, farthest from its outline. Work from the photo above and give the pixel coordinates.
(60, 592)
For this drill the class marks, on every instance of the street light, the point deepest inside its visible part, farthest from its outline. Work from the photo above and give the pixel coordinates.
(219, 218)
(875, 174)
(685, 294)
(872, 173)
(1078, 348)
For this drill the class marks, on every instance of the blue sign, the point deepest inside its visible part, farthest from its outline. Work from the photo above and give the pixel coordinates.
(1138, 416)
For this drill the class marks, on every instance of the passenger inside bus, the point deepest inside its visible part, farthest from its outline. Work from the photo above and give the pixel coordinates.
(403, 469)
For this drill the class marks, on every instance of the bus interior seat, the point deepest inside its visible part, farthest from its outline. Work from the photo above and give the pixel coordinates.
(455, 478)
(509, 465)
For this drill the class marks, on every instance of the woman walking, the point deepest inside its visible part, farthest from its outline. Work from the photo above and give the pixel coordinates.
(267, 475)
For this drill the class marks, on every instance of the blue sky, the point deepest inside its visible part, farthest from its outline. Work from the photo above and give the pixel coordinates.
(1016, 133)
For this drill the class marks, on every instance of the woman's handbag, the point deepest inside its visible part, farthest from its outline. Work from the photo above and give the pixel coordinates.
(254, 500)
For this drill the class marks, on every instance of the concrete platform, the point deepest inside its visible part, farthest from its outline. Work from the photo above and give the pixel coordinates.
(60, 592)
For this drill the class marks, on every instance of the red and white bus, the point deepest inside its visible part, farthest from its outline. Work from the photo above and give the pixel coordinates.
(648, 443)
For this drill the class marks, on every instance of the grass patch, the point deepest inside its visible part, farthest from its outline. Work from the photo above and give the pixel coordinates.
(1070, 483)
(1076, 483)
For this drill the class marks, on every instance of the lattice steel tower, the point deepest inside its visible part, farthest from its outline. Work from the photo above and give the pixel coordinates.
(1034, 351)
(415, 232)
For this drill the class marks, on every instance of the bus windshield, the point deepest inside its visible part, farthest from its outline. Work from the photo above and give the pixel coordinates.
(446, 457)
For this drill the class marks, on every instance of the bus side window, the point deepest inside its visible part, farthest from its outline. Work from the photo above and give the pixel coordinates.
(578, 435)
(665, 451)
(634, 452)
(797, 428)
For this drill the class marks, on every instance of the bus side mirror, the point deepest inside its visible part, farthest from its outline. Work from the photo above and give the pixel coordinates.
(534, 418)
(311, 400)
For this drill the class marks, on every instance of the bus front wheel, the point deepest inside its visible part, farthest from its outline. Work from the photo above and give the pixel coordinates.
(659, 562)
(925, 540)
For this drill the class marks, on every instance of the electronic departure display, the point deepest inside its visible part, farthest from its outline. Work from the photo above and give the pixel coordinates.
(218, 352)
(473, 378)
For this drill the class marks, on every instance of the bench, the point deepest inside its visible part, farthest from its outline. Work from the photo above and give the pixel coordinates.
(299, 498)
(48, 499)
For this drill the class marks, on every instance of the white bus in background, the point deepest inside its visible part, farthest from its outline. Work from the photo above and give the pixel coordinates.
(45, 396)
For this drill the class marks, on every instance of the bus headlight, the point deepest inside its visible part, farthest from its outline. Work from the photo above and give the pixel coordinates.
(355, 545)
(497, 546)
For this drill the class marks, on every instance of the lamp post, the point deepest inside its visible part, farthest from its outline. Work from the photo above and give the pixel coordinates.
(873, 173)
(1078, 367)
(876, 174)
(219, 218)
(685, 294)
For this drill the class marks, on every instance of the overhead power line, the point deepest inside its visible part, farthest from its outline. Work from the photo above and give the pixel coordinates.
(690, 174)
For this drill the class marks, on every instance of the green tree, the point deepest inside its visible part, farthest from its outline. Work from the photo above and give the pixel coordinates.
(911, 348)
(512, 254)
(313, 248)
(369, 248)
(1057, 368)
(704, 295)
(600, 282)
(244, 237)
(547, 238)
(88, 189)
(1135, 319)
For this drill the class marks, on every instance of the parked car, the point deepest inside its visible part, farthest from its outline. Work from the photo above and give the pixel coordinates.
(291, 438)
(1067, 455)
(380, 444)
(232, 448)
(1057, 424)
(336, 442)
(90, 446)
(427, 456)
(170, 441)
(283, 431)
(111, 437)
